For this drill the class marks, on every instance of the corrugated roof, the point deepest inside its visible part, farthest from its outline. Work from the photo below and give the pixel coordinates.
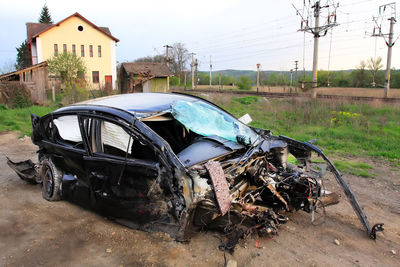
(39, 65)
(147, 68)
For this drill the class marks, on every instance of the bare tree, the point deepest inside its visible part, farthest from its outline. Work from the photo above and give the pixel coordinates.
(156, 58)
(374, 65)
(8, 66)
(179, 57)
(359, 79)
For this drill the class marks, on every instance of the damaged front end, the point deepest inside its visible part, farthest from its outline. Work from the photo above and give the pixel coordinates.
(252, 193)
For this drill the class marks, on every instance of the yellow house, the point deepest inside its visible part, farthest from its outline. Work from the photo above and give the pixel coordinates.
(79, 36)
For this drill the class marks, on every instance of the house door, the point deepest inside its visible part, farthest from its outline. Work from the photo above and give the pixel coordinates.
(108, 80)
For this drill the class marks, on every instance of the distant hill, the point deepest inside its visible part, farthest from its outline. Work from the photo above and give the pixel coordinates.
(252, 74)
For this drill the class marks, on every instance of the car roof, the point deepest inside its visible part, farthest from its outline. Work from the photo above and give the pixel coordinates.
(139, 102)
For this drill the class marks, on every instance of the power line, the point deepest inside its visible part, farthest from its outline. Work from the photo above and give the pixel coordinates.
(388, 37)
(310, 25)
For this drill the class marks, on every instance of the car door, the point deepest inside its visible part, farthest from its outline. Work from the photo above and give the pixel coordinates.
(122, 169)
(64, 143)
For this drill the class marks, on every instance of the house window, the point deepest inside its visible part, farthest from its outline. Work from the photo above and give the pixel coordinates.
(91, 50)
(99, 51)
(82, 50)
(64, 48)
(74, 50)
(55, 49)
(95, 76)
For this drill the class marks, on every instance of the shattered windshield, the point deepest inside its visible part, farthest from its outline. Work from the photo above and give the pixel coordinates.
(206, 120)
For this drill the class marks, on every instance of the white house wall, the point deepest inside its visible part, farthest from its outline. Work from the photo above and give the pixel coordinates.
(34, 53)
(39, 50)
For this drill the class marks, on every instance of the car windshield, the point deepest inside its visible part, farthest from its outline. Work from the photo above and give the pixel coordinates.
(207, 120)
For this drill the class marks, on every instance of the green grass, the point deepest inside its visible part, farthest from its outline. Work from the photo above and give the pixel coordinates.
(342, 129)
(355, 168)
(19, 119)
(351, 167)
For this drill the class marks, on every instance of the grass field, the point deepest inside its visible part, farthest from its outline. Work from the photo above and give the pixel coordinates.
(352, 129)
(342, 129)
(19, 119)
(344, 91)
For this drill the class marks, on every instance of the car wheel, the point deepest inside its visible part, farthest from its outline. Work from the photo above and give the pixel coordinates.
(51, 181)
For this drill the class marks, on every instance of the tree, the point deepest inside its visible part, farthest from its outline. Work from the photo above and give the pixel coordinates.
(24, 59)
(374, 65)
(359, 75)
(67, 66)
(8, 66)
(178, 58)
(323, 78)
(156, 58)
(272, 79)
(225, 79)
(340, 79)
(204, 78)
(45, 16)
(244, 83)
(395, 79)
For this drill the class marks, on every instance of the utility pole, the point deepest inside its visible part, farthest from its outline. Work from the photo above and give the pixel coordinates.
(317, 10)
(192, 69)
(220, 85)
(166, 52)
(291, 80)
(389, 58)
(317, 31)
(258, 76)
(389, 41)
(210, 73)
(196, 65)
(185, 72)
(295, 74)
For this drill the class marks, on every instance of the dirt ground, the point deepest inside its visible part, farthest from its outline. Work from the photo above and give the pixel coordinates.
(35, 232)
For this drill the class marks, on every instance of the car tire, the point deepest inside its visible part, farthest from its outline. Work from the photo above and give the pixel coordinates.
(51, 181)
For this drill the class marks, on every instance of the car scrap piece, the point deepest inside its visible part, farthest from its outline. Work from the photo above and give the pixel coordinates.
(371, 231)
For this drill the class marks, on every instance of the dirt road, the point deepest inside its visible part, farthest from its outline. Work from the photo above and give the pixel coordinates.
(35, 232)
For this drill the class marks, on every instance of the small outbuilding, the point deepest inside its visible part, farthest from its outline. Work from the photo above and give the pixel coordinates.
(137, 77)
(35, 78)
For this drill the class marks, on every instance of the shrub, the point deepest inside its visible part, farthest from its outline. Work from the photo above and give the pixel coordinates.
(247, 100)
(174, 81)
(15, 95)
(244, 83)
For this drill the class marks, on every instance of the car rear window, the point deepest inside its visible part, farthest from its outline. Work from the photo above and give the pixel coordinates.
(68, 128)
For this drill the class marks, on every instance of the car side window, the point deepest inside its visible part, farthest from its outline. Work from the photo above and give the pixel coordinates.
(110, 138)
(65, 129)
(115, 140)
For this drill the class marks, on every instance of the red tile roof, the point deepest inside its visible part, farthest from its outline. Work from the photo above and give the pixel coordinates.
(35, 29)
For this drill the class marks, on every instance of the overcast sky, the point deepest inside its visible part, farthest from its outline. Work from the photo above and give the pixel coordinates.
(237, 34)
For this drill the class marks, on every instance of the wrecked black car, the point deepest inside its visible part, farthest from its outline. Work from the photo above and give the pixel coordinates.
(177, 163)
